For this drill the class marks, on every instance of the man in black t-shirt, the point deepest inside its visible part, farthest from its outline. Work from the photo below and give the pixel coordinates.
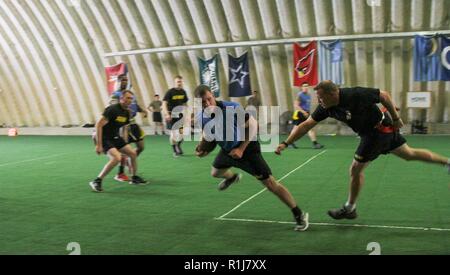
(173, 106)
(110, 142)
(379, 133)
(135, 133)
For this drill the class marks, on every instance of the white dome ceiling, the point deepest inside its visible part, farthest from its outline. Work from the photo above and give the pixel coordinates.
(53, 51)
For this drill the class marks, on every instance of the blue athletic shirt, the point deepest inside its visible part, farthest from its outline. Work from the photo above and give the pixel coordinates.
(225, 145)
(305, 101)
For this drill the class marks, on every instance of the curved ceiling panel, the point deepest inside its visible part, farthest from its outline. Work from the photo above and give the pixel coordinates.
(53, 50)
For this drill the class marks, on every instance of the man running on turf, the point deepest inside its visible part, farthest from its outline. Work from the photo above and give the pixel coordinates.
(111, 143)
(245, 155)
(135, 133)
(379, 133)
(175, 97)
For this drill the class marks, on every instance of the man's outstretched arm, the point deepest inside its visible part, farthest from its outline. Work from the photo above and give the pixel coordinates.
(298, 132)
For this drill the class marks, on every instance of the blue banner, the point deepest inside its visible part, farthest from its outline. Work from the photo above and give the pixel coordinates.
(431, 58)
(330, 61)
(209, 74)
(239, 76)
(445, 58)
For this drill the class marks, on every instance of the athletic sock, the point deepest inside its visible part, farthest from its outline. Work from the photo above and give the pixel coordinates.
(315, 142)
(121, 169)
(179, 144)
(349, 207)
(297, 214)
(233, 178)
(174, 147)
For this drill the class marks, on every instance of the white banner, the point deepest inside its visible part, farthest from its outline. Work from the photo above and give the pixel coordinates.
(419, 99)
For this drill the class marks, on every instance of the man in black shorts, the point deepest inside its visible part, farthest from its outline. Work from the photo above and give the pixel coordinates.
(379, 133)
(110, 142)
(135, 133)
(241, 152)
(175, 97)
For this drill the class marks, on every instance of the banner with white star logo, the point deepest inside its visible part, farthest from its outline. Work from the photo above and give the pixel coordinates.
(239, 76)
(209, 74)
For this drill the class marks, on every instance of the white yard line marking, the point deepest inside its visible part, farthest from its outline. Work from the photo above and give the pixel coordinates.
(29, 160)
(285, 176)
(343, 225)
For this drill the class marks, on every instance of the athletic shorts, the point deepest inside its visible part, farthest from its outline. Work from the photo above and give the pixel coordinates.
(375, 143)
(135, 133)
(251, 162)
(115, 142)
(299, 118)
(157, 117)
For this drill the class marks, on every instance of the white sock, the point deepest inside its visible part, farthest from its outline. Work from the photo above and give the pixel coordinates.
(350, 207)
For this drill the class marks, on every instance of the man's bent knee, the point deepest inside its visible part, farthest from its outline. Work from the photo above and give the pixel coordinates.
(217, 173)
(356, 168)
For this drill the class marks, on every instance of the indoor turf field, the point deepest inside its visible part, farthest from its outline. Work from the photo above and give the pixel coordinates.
(46, 203)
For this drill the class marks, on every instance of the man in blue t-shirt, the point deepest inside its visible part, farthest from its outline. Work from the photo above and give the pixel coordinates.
(302, 110)
(235, 133)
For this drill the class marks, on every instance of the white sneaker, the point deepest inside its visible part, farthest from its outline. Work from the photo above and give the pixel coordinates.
(304, 224)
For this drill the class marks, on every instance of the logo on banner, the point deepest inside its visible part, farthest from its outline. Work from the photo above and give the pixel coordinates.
(305, 65)
(238, 75)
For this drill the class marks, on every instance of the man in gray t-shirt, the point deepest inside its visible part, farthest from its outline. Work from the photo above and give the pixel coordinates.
(155, 107)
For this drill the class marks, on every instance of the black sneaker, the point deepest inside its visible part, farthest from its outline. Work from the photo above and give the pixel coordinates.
(227, 182)
(317, 146)
(293, 145)
(96, 185)
(303, 224)
(342, 213)
(136, 180)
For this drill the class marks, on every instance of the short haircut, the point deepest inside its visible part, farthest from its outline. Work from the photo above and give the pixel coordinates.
(327, 86)
(127, 92)
(201, 91)
(178, 77)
